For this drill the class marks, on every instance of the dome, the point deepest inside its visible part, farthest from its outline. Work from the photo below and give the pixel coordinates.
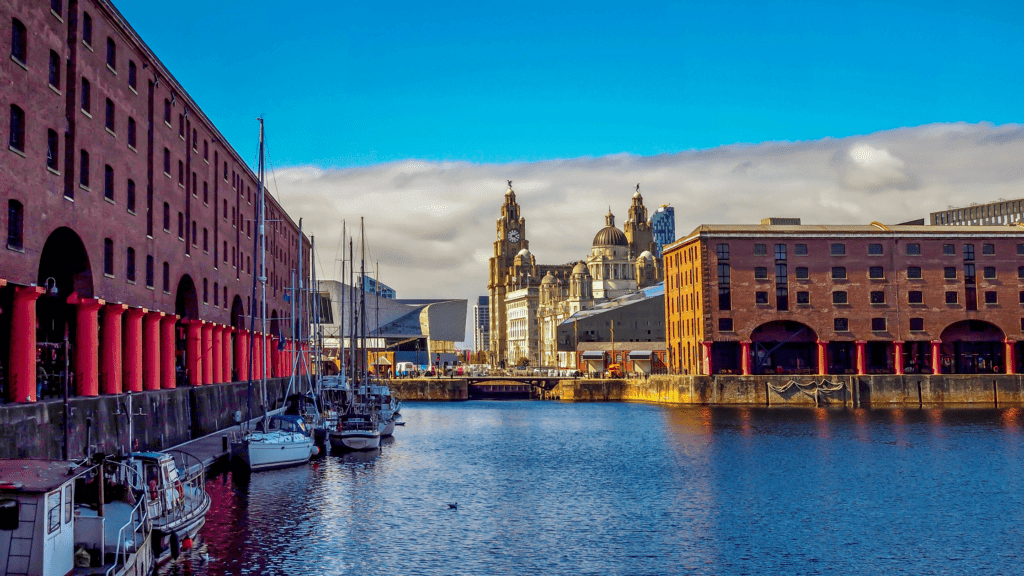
(610, 236)
(581, 268)
(524, 253)
(646, 255)
(548, 278)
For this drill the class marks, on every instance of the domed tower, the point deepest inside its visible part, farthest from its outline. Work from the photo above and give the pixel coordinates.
(549, 290)
(610, 266)
(581, 289)
(648, 272)
(639, 231)
(511, 240)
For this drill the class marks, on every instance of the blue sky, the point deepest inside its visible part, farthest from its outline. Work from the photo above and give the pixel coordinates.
(347, 84)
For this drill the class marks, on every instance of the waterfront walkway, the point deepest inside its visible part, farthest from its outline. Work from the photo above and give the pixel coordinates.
(213, 448)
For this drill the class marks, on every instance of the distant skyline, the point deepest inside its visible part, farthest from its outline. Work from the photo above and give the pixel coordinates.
(356, 84)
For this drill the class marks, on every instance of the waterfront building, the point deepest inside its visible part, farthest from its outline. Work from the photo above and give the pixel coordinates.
(619, 262)
(372, 286)
(126, 209)
(629, 331)
(992, 213)
(663, 223)
(757, 299)
(421, 331)
(481, 325)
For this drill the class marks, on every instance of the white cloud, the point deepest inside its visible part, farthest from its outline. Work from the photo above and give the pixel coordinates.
(431, 225)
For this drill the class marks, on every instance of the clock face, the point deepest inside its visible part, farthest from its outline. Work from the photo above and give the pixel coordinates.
(513, 235)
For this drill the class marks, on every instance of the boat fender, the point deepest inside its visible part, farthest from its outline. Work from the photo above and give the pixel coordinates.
(186, 544)
(175, 548)
(316, 451)
(180, 489)
(152, 490)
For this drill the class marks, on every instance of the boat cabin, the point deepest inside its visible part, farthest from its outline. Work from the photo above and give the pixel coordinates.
(291, 423)
(156, 475)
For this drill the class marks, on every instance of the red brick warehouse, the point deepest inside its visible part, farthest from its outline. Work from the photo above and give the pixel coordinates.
(792, 299)
(130, 219)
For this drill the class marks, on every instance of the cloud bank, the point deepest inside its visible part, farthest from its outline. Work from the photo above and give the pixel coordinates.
(431, 225)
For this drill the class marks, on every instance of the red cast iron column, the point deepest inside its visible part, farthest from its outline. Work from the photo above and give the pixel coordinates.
(218, 351)
(22, 375)
(151, 350)
(87, 346)
(133, 349)
(168, 377)
(207, 353)
(110, 361)
(193, 351)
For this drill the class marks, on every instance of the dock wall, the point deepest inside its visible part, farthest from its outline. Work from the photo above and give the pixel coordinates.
(163, 418)
(430, 389)
(881, 390)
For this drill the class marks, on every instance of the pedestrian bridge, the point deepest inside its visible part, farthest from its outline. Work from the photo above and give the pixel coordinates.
(542, 382)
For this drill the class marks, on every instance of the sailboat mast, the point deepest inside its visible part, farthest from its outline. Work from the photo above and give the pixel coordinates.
(314, 310)
(341, 337)
(300, 295)
(352, 303)
(261, 221)
(362, 291)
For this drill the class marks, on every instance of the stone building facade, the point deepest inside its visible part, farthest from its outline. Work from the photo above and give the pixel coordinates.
(845, 299)
(129, 215)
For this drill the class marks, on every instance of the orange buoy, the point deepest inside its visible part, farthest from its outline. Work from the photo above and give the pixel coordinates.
(186, 544)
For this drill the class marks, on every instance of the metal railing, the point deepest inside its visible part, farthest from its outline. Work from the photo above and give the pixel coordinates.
(138, 521)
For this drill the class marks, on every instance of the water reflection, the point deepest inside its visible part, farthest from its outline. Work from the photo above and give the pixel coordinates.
(636, 489)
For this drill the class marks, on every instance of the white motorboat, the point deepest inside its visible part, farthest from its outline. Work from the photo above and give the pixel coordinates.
(65, 518)
(356, 433)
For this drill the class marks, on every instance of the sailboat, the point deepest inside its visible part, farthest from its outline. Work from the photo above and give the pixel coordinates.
(279, 440)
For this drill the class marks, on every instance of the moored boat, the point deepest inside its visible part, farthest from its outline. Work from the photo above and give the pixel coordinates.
(356, 432)
(283, 441)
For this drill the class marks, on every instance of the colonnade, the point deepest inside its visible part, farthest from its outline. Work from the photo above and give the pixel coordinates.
(860, 363)
(118, 348)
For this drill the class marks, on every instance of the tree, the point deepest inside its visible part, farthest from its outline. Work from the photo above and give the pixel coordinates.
(523, 361)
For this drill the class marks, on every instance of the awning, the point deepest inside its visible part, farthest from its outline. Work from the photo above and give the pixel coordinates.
(382, 361)
(593, 355)
(640, 354)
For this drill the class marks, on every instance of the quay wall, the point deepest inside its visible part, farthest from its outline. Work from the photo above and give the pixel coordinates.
(430, 389)
(880, 390)
(163, 418)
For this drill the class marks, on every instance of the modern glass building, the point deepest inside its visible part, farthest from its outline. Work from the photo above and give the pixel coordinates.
(663, 222)
(481, 324)
(371, 285)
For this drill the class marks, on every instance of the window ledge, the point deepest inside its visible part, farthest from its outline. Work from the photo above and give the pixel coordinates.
(109, 200)
(168, 124)
(56, 90)
(84, 187)
(132, 212)
(86, 113)
(87, 45)
(111, 132)
(108, 275)
(132, 88)
(16, 151)
(51, 170)
(150, 288)
(132, 148)
(19, 62)
(111, 68)
(69, 198)
(16, 249)
(168, 174)
(166, 292)
(57, 16)
(167, 230)
(132, 282)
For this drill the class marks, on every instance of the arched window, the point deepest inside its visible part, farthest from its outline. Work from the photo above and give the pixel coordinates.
(108, 182)
(149, 271)
(108, 257)
(19, 42)
(131, 195)
(130, 265)
(167, 277)
(167, 217)
(17, 139)
(111, 53)
(206, 291)
(216, 294)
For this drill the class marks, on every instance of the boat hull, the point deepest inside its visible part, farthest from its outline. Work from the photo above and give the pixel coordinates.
(257, 454)
(354, 440)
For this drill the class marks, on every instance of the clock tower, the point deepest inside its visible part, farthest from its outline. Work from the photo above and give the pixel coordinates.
(511, 238)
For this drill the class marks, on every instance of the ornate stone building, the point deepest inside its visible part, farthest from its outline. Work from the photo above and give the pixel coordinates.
(529, 301)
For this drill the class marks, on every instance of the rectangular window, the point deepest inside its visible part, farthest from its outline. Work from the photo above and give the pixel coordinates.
(1020, 249)
(914, 272)
(83, 169)
(19, 41)
(760, 297)
(167, 162)
(951, 297)
(108, 182)
(800, 249)
(968, 251)
(130, 196)
(841, 324)
(131, 132)
(206, 241)
(725, 324)
(1020, 272)
(801, 273)
(724, 297)
(969, 275)
(878, 324)
(915, 297)
(86, 28)
(988, 249)
(167, 111)
(181, 173)
(17, 139)
(949, 249)
(53, 512)
(86, 96)
(1022, 296)
(206, 156)
(989, 272)
(167, 217)
(167, 277)
(722, 251)
(111, 53)
(108, 257)
(149, 271)
(54, 70)
(913, 249)
(876, 273)
(57, 6)
(132, 75)
(110, 115)
(760, 273)
(181, 125)
(949, 273)
(52, 144)
(916, 324)
(130, 265)
(878, 296)
(780, 251)
(838, 273)
(837, 249)
(15, 224)
(990, 297)
(803, 297)
(206, 193)
(874, 249)
(760, 249)
(181, 226)
(782, 298)
(839, 297)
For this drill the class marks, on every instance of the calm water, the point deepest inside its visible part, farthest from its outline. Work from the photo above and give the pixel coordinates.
(552, 488)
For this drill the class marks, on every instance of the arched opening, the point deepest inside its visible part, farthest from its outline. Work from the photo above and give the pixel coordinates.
(784, 347)
(63, 269)
(237, 313)
(186, 306)
(972, 347)
(275, 330)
